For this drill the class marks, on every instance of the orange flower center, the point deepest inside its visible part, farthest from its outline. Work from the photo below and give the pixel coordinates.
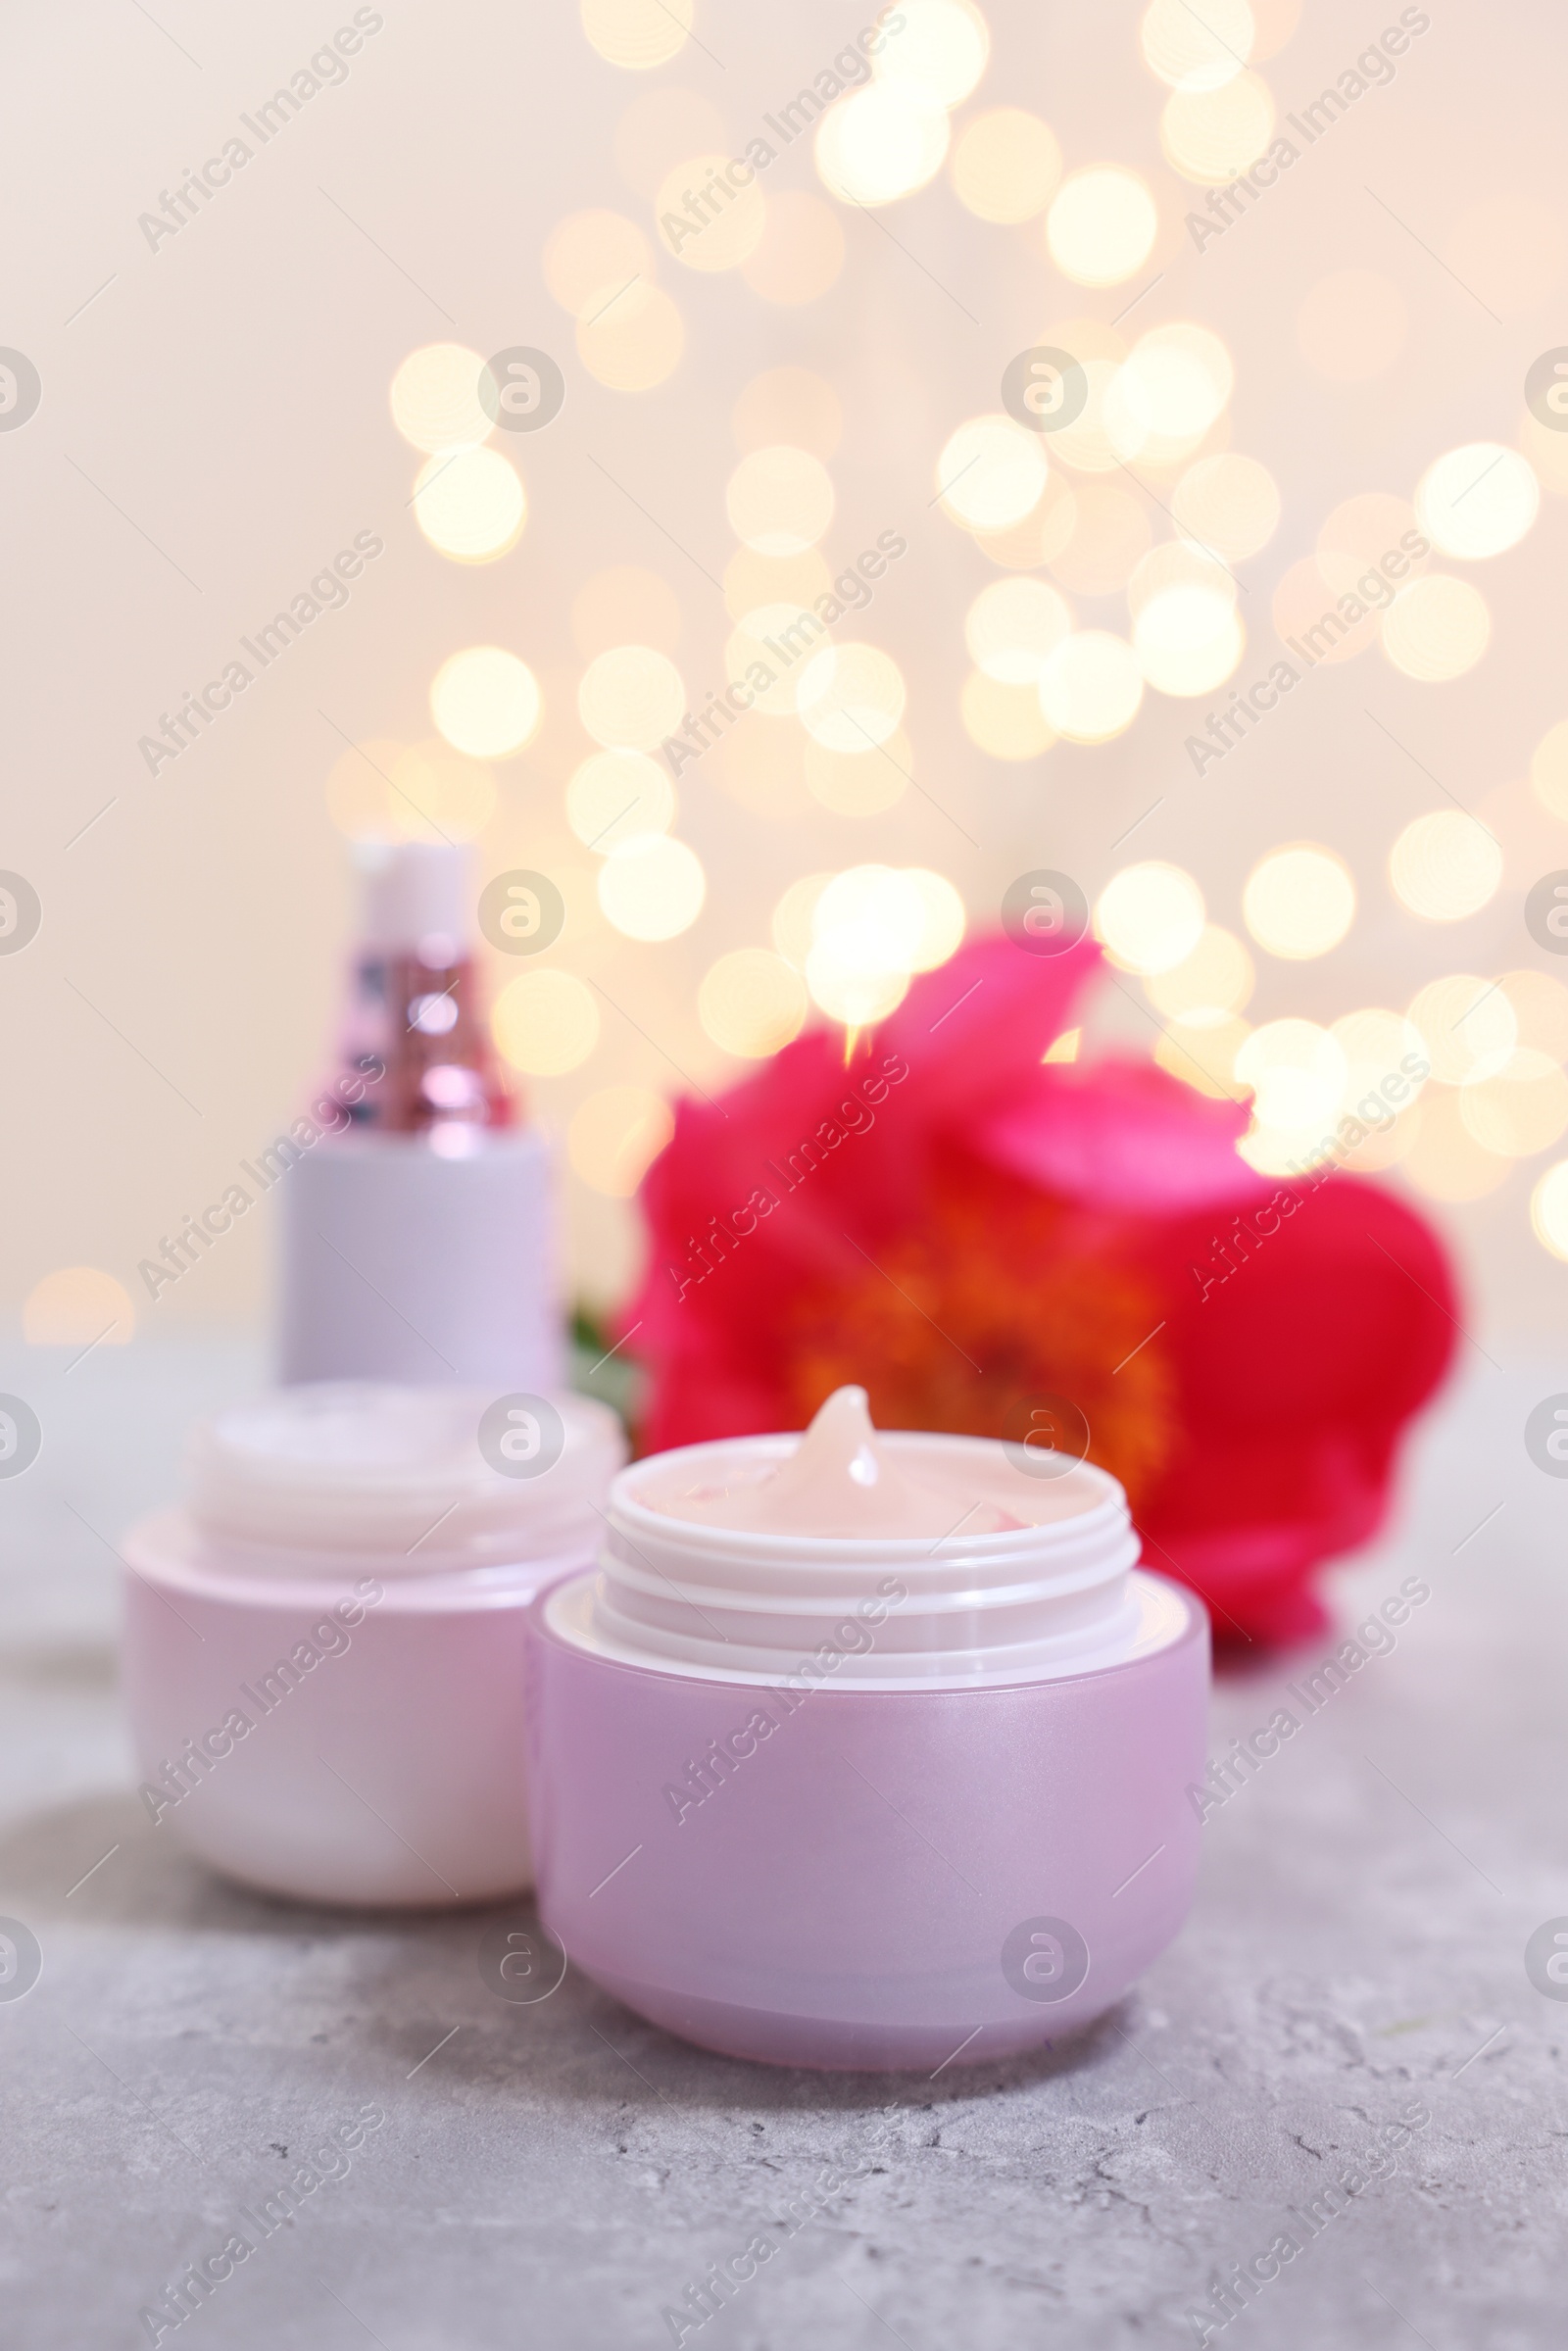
(1005, 1315)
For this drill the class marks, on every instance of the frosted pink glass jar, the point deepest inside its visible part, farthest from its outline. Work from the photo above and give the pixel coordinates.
(866, 1802)
(323, 1650)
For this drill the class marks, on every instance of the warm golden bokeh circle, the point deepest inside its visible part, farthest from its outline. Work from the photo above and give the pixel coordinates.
(710, 212)
(1102, 225)
(751, 1002)
(435, 399)
(589, 257)
(545, 1024)
(1299, 901)
(613, 1136)
(1446, 865)
(1005, 165)
(79, 1306)
(485, 701)
(638, 34)
(471, 503)
(634, 341)
(1150, 916)
(651, 887)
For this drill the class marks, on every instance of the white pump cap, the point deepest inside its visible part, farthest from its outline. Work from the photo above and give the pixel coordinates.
(418, 892)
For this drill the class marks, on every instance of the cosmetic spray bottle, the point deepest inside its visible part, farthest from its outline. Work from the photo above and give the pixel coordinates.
(418, 1229)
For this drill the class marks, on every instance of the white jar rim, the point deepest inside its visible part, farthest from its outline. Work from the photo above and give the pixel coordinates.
(358, 1476)
(1049, 1597)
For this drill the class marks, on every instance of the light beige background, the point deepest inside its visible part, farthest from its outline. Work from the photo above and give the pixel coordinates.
(214, 426)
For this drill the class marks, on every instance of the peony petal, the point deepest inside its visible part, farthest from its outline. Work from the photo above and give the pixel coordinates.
(1122, 1135)
(980, 1024)
(1299, 1369)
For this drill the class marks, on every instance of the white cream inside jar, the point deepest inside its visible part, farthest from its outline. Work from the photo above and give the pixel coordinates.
(890, 1560)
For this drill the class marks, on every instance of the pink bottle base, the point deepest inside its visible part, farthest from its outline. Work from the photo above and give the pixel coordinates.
(886, 1878)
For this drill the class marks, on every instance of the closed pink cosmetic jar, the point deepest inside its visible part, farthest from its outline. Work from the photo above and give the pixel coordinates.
(324, 1647)
(868, 1798)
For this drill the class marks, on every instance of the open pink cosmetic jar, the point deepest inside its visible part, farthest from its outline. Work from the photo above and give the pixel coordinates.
(866, 1751)
(323, 1649)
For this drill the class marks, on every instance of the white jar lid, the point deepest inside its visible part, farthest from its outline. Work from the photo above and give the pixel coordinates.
(410, 1480)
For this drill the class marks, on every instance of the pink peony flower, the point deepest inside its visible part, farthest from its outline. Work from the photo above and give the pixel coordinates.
(992, 1243)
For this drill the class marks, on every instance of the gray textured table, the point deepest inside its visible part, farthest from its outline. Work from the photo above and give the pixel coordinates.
(563, 2174)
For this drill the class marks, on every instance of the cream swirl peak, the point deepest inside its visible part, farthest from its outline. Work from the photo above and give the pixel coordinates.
(841, 1479)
